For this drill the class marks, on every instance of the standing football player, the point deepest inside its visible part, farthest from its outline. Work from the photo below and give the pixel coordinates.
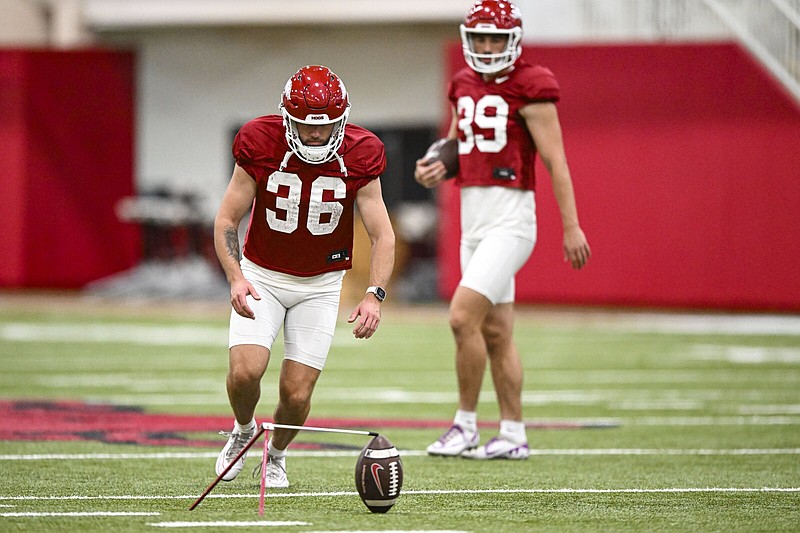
(299, 176)
(504, 112)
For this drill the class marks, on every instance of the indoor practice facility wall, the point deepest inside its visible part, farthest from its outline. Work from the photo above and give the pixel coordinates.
(686, 164)
(66, 132)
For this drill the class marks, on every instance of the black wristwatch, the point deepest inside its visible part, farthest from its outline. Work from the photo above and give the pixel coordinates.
(379, 292)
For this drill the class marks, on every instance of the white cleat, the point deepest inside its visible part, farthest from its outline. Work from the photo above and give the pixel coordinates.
(454, 442)
(236, 442)
(276, 473)
(498, 448)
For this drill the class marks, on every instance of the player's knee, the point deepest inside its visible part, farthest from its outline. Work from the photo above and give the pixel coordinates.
(243, 375)
(296, 399)
(457, 323)
(496, 336)
(462, 323)
(493, 341)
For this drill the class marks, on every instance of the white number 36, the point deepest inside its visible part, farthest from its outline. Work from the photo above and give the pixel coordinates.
(287, 219)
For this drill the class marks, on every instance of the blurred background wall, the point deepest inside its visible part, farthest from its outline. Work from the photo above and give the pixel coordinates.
(195, 70)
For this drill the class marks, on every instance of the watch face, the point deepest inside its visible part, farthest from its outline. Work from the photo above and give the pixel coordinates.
(379, 293)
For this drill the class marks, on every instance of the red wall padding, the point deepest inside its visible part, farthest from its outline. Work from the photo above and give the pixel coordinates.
(66, 157)
(686, 164)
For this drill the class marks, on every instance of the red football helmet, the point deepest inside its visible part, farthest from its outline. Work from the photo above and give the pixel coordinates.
(314, 95)
(496, 17)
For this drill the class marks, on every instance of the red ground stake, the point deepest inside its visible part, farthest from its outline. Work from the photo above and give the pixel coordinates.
(213, 484)
(263, 474)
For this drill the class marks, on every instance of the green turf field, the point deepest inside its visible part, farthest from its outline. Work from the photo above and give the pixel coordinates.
(638, 422)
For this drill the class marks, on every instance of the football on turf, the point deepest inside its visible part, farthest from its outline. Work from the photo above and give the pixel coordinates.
(379, 475)
(446, 151)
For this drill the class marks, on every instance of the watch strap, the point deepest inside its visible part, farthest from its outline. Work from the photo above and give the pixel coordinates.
(379, 292)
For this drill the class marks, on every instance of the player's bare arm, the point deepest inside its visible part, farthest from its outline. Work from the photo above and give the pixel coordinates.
(381, 235)
(430, 175)
(236, 202)
(542, 122)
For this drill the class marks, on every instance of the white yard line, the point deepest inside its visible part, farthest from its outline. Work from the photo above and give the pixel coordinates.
(746, 355)
(566, 490)
(117, 332)
(633, 399)
(230, 523)
(173, 335)
(90, 513)
(405, 453)
(689, 324)
(679, 421)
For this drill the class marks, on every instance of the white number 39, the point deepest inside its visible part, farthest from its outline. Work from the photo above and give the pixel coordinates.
(472, 113)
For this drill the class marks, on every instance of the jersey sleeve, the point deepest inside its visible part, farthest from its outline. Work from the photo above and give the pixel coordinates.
(460, 79)
(540, 85)
(248, 149)
(375, 163)
(365, 156)
(451, 96)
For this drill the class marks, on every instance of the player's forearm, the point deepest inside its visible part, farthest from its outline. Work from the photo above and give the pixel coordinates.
(565, 197)
(226, 244)
(382, 260)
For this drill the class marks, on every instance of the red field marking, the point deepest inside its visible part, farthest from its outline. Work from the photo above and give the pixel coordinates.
(121, 424)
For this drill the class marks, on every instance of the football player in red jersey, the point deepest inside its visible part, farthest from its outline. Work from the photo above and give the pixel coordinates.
(299, 175)
(504, 113)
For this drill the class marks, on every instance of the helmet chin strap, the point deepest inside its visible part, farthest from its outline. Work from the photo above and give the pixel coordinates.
(339, 159)
(342, 168)
(285, 161)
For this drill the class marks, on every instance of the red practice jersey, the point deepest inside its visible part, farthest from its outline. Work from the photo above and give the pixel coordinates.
(494, 145)
(302, 218)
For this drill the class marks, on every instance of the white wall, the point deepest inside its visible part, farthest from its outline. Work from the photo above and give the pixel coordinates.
(197, 81)
(195, 85)
(22, 23)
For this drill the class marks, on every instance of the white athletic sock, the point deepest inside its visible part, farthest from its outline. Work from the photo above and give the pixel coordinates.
(468, 420)
(514, 431)
(249, 428)
(273, 451)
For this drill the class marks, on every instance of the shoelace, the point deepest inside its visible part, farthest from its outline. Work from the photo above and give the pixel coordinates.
(451, 434)
(270, 474)
(490, 443)
(239, 441)
(513, 452)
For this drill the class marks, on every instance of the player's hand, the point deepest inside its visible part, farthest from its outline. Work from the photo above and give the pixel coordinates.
(240, 289)
(576, 248)
(369, 309)
(429, 175)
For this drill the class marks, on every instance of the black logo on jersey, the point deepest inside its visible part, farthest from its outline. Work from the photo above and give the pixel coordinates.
(339, 255)
(504, 174)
